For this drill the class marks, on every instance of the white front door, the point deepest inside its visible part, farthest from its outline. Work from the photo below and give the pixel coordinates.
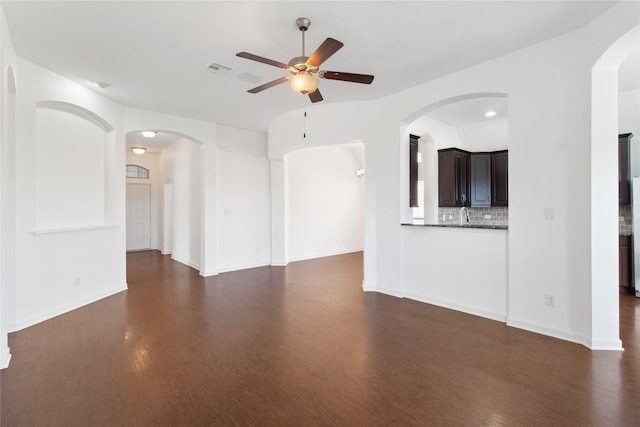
(138, 217)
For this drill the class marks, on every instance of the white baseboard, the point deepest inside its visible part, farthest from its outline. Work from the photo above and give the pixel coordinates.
(243, 267)
(476, 311)
(565, 335)
(185, 262)
(390, 292)
(208, 273)
(30, 321)
(279, 264)
(365, 288)
(605, 344)
(6, 358)
(325, 254)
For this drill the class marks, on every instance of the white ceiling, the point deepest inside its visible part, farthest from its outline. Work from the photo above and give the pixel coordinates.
(155, 54)
(471, 110)
(153, 145)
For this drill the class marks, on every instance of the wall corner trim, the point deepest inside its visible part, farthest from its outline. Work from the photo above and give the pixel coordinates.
(208, 273)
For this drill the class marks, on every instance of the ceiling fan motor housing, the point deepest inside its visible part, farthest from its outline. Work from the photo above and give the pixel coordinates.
(299, 63)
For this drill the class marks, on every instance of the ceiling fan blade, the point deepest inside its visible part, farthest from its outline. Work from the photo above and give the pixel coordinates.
(347, 77)
(322, 53)
(257, 58)
(315, 96)
(268, 85)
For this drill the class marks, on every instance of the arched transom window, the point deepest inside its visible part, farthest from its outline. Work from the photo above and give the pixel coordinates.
(136, 171)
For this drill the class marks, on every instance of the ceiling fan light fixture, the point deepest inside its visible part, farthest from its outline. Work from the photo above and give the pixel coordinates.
(303, 82)
(138, 150)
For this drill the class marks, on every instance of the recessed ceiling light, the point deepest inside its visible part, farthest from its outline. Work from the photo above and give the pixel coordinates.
(149, 133)
(490, 113)
(138, 150)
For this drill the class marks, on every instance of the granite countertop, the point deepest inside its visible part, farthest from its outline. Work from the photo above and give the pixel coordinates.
(454, 225)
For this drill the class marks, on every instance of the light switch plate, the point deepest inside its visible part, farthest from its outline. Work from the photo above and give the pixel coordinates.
(549, 213)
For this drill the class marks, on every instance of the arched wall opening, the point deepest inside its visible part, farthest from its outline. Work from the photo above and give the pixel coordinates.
(454, 122)
(164, 210)
(431, 254)
(325, 185)
(604, 193)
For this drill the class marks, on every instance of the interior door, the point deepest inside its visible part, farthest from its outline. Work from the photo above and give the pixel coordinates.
(138, 217)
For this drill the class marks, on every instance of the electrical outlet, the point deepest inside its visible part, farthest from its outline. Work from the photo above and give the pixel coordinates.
(549, 300)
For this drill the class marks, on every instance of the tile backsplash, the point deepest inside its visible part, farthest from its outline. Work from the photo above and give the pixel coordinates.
(481, 216)
(625, 220)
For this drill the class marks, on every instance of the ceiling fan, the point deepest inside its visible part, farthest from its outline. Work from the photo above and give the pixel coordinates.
(305, 69)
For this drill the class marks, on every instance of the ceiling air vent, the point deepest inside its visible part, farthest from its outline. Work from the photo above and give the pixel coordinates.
(219, 68)
(251, 78)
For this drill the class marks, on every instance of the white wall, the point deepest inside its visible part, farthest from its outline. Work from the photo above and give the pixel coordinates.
(325, 202)
(70, 189)
(182, 170)
(487, 135)
(72, 266)
(548, 86)
(462, 269)
(244, 228)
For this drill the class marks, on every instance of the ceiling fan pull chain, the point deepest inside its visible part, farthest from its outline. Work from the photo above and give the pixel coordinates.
(304, 124)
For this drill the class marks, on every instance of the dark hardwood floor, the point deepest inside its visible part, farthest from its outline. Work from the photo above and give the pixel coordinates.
(303, 346)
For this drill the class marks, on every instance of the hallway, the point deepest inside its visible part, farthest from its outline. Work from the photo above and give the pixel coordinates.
(303, 345)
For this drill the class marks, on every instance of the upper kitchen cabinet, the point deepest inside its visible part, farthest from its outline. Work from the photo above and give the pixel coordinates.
(472, 179)
(453, 178)
(624, 169)
(480, 179)
(500, 178)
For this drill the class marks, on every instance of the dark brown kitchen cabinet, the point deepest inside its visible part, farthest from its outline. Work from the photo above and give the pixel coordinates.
(500, 178)
(480, 181)
(624, 261)
(453, 178)
(624, 170)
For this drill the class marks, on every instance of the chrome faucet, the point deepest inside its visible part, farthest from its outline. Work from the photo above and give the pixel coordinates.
(464, 215)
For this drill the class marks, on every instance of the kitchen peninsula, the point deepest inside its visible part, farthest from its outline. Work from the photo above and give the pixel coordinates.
(458, 259)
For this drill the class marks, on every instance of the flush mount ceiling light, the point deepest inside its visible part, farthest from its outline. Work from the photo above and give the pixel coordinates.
(149, 133)
(490, 113)
(360, 173)
(138, 150)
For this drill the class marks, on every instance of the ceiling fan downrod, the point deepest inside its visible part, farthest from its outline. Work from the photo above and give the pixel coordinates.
(303, 26)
